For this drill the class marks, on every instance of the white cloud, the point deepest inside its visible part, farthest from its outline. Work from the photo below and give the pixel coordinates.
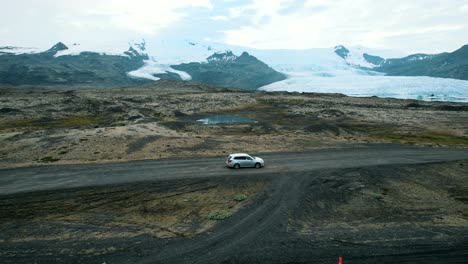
(146, 16)
(325, 23)
(91, 20)
(410, 25)
(315, 3)
(219, 18)
(260, 8)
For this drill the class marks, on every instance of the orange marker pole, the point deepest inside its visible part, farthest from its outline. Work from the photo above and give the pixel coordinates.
(340, 260)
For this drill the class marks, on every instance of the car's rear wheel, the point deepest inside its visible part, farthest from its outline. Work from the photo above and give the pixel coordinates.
(236, 166)
(258, 165)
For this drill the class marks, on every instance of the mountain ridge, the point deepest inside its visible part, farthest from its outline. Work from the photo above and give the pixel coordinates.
(228, 70)
(444, 65)
(60, 65)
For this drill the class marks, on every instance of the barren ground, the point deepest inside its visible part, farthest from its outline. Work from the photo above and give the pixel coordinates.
(43, 126)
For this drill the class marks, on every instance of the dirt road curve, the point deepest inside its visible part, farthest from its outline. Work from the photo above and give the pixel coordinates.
(67, 176)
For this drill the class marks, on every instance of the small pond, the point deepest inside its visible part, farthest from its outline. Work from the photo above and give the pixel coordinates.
(221, 119)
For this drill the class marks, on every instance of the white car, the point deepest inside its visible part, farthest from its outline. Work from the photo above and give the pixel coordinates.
(241, 160)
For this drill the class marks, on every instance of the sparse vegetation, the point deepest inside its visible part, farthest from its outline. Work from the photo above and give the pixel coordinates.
(377, 196)
(240, 197)
(48, 159)
(219, 215)
(159, 115)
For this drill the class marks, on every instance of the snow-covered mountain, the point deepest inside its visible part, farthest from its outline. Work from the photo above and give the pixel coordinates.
(356, 71)
(61, 65)
(357, 57)
(75, 65)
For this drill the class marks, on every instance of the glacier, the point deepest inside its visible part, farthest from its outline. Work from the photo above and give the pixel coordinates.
(152, 67)
(321, 70)
(419, 88)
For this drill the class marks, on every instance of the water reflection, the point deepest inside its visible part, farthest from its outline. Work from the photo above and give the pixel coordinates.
(221, 119)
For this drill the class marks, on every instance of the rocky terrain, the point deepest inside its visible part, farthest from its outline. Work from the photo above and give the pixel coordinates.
(59, 126)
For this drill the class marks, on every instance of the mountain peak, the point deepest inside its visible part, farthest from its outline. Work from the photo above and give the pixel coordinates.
(139, 46)
(462, 52)
(342, 51)
(56, 48)
(226, 56)
(137, 49)
(246, 58)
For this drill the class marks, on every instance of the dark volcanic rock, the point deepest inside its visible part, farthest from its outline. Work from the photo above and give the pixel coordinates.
(341, 51)
(376, 60)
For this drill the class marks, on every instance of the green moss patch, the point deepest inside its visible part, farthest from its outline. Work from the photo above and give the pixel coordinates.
(240, 197)
(219, 215)
(377, 196)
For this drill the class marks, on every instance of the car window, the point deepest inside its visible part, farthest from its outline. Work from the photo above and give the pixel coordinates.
(239, 158)
(248, 158)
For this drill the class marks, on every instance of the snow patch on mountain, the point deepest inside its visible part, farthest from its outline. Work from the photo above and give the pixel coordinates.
(219, 56)
(152, 68)
(172, 52)
(134, 49)
(139, 46)
(419, 57)
(18, 50)
(355, 56)
(76, 49)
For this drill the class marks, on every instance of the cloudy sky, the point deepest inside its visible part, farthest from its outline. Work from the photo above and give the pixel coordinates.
(412, 26)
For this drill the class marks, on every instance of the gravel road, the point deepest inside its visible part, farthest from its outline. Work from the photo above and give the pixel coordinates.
(67, 176)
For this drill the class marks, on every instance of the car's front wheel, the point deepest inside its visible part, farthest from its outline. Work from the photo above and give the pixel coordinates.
(258, 165)
(236, 166)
